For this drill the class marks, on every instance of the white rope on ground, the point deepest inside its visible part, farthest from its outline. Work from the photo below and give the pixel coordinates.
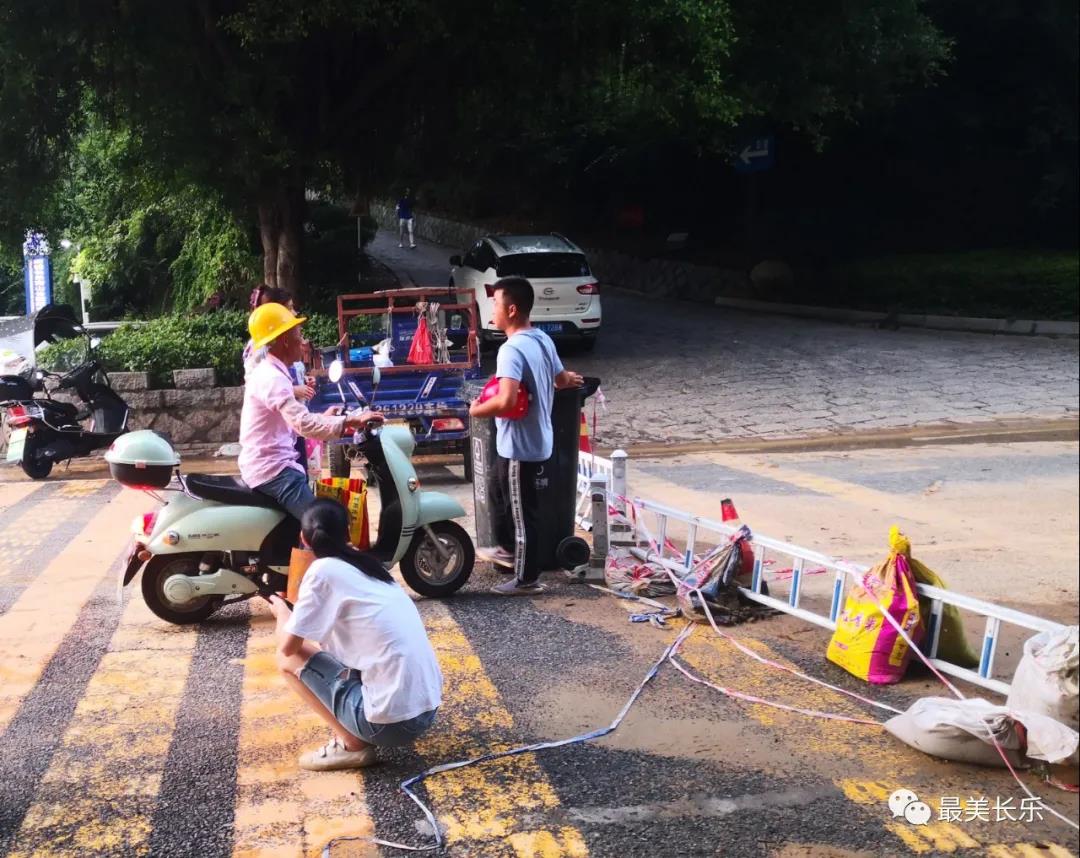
(734, 641)
(669, 656)
(864, 580)
(407, 785)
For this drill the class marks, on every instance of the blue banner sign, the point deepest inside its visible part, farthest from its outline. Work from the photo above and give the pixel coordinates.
(37, 272)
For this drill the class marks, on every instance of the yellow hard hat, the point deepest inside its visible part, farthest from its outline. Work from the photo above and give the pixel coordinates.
(269, 321)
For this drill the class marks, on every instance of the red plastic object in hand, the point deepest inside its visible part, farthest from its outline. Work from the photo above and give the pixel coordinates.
(519, 408)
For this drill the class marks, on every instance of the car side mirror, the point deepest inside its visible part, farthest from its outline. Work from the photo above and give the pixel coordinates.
(455, 261)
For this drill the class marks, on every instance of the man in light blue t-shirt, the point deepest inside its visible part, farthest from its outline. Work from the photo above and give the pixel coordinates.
(527, 359)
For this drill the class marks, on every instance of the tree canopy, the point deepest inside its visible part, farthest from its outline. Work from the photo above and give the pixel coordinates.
(241, 105)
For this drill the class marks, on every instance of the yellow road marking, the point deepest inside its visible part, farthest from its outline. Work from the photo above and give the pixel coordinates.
(915, 510)
(935, 837)
(281, 810)
(545, 844)
(93, 798)
(24, 536)
(864, 747)
(34, 626)
(870, 747)
(484, 803)
(15, 493)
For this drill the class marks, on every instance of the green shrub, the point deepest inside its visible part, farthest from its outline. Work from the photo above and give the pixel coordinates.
(321, 330)
(161, 345)
(993, 283)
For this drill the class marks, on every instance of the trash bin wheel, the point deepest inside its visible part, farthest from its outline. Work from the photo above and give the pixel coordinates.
(572, 552)
(427, 572)
(340, 464)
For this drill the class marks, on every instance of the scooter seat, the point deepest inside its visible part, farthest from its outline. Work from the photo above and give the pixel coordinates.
(231, 491)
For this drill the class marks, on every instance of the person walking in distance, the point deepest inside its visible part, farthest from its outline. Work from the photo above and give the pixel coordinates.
(527, 358)
(406, 220)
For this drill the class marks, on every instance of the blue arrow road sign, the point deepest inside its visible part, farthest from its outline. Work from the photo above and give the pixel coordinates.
(758, 154)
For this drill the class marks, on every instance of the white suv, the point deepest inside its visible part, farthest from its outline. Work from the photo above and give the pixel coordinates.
(567, 304)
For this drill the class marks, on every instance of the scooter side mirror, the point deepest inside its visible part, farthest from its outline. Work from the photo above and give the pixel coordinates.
(335, 371)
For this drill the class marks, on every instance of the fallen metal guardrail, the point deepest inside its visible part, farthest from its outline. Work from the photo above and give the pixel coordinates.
(802, 559)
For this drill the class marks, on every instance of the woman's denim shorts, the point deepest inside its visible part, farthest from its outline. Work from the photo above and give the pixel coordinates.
(340, 690)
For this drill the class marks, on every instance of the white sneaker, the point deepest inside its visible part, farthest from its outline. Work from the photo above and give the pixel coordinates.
(497, 555)
(333, 756)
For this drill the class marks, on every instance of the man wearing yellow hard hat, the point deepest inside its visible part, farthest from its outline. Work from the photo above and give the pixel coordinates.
(272, 417)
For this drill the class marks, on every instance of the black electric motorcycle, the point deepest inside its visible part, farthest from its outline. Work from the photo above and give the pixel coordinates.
(44, 430)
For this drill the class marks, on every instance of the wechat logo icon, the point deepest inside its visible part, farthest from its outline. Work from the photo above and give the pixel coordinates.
(904, 802)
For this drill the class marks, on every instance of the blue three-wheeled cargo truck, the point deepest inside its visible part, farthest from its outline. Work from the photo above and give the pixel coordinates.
(424, 378)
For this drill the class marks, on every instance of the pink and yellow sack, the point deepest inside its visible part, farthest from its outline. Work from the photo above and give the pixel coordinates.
(865, 643)
(351, 494)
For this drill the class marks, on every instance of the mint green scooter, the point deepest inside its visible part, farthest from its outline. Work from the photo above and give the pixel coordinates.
(216, 541)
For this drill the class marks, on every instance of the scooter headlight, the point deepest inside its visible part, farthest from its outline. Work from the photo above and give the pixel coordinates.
(413, 484)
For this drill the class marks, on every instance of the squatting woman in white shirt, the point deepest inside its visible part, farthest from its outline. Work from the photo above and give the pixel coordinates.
(355, 649)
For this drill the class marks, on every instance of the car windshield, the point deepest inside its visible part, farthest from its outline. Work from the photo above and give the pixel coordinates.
(542, 265)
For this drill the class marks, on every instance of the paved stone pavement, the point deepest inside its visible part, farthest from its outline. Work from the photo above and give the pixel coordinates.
(681, 372)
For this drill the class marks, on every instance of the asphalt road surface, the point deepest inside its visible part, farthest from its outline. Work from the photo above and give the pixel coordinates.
(681, 373)
(121, 735)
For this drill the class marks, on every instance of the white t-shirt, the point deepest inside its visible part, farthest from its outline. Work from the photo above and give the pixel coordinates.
(374, 627)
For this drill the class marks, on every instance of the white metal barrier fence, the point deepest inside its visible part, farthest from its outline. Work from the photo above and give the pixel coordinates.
(801, 561)
(592, 467)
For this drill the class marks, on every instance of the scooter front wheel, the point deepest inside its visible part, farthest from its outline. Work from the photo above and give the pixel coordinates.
(159, 570)
(435, 573)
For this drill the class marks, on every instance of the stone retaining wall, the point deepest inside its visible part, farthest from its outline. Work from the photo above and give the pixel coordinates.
(194, 416)
(655, 277)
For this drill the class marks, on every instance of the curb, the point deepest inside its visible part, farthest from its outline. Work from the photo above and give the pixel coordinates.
(970, 324)
(1003, 431)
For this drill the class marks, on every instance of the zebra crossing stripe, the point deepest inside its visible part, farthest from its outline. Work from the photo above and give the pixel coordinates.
(484, 802)
(36, 623)
(14, 496)
(282, 810)
(114, 750)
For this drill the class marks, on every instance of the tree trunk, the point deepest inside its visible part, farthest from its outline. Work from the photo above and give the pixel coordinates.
(268, 232)
(281, 227)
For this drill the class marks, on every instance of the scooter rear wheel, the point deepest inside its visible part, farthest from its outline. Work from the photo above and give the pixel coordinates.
(431, 575)
(34, 466)
(159, 570)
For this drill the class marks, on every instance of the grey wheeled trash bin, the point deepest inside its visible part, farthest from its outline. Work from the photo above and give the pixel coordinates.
(556, 486)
